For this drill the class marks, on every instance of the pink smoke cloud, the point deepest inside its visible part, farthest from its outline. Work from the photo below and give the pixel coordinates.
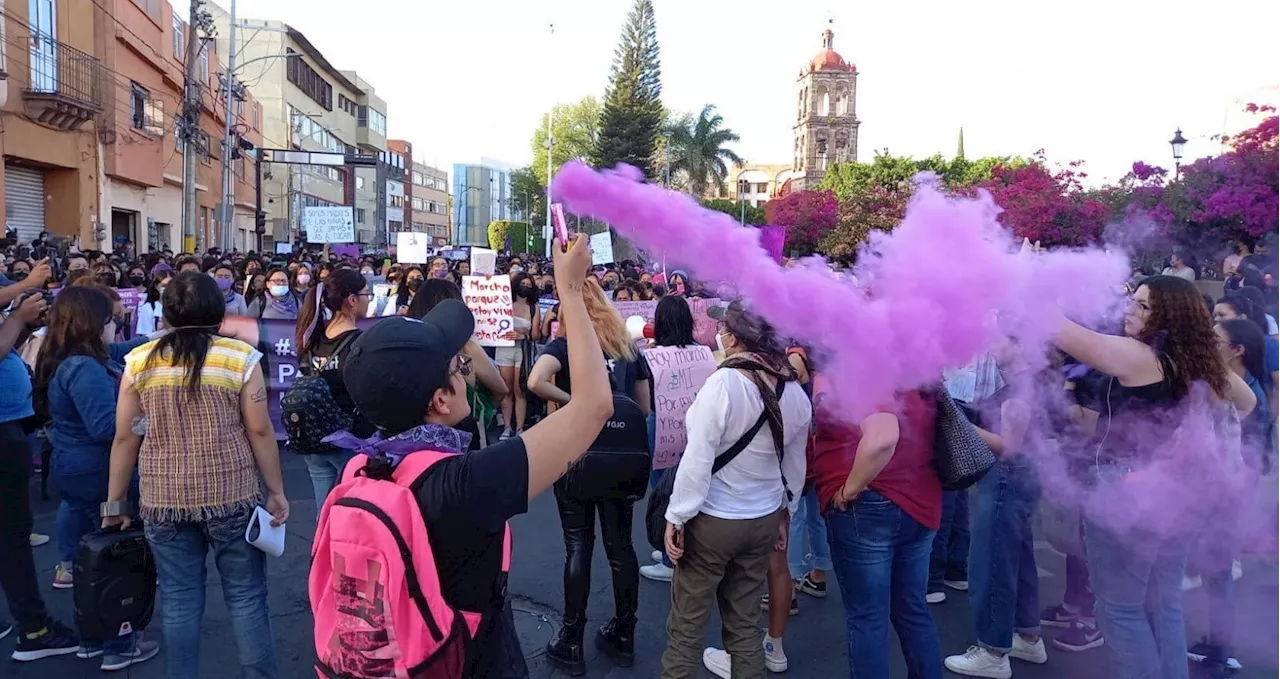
(939, 281)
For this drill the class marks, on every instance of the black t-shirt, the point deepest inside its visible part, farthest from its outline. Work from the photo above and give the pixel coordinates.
(316, 361)
(623, 374)
(466, 501)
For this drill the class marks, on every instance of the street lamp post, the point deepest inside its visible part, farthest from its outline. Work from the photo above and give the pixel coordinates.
(1177, 143)
(743, 186)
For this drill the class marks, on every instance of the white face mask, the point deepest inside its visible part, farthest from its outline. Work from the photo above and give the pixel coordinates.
(278, 290)
(720, 342)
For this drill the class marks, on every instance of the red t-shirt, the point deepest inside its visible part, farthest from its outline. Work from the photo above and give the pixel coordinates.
(909, 480)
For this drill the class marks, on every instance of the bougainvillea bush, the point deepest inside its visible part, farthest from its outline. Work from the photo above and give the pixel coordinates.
(1049, 207)
(808, 215)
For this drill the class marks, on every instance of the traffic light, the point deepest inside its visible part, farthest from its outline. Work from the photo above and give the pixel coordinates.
(260, 223)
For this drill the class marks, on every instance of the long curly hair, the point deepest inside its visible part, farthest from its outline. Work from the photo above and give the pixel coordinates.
(1180, 327)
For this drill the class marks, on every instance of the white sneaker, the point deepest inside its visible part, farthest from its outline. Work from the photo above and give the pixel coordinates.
(775, 660)
(1025, 650)
(979, 662)
(657, 572)
(506, 434)
(959, 585)
(717, 662)
(656, 556)
(935, 597)
(1190, 582)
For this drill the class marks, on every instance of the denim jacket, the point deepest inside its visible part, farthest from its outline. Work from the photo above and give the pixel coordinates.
(82, 406)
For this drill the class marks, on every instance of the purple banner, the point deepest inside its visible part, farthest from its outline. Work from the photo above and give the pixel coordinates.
(346, 250)
(772, 239)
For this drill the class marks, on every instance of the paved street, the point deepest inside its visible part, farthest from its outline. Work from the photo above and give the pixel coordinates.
(814, 642)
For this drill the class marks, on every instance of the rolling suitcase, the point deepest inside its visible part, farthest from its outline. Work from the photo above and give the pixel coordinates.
(115, 584)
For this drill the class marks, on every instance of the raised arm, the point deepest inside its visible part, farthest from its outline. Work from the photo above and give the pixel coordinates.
(556, 442)
(1125, 358)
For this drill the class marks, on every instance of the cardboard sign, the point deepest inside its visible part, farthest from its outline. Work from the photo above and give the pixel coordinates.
(642, 308)
(704, 327)
(483, 261)
(678, 374)
(329, 224)
(489, 299)
(412, 248)
(602, 248)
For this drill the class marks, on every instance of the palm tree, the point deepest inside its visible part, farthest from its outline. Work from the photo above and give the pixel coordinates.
(698, 149)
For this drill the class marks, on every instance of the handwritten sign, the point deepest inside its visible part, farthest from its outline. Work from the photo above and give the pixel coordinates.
(678, 374)
(411, 248)
(601, 248)
(329, 224)
(489, 299)
(483, 261)
(704, 327)
(642, 308)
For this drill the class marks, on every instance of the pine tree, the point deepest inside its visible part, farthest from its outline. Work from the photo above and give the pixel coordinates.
(632, 113)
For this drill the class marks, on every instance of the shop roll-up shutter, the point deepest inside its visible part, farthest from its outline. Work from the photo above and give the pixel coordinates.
(24, 202)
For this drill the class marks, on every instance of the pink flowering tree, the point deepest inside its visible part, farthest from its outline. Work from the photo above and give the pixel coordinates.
(808, 215)
(1047, 206)
(1235, 193)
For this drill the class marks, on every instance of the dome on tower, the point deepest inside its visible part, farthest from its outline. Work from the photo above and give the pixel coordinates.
(828, 59)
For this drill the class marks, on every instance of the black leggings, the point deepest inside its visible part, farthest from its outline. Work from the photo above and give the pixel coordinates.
(17, 565)
(578, 519)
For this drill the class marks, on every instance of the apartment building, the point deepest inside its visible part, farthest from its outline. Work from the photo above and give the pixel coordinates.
(53, 94)
(426, 195)
(144, 45)
(308, 104)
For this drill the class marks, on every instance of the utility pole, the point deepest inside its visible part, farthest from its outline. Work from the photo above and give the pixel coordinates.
(190, 128)
(551, 142)
(228, 143)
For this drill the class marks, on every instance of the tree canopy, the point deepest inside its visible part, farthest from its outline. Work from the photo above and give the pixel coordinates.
(699, 150)
(574, 126)
(632, 114)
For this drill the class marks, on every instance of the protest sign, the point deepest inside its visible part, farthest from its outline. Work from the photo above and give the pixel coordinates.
(602, 248)
(704, 327)
(678, 374)
(329, 224)
(483, 261)
(772, 239)
(285, 248)
(411, 248)
(489, 298)
(457, 254)
(642, 308)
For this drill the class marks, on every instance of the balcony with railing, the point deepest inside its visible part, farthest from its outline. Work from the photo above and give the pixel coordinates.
(66, 88)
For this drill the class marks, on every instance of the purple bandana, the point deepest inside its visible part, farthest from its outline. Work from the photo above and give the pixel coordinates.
(395, 448)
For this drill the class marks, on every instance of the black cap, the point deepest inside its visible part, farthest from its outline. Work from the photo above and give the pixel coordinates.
(394, 368)
(755, 332)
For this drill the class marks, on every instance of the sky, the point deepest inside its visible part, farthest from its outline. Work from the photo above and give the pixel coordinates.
(1103, 81)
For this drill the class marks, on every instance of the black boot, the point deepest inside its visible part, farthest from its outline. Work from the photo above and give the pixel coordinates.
(618, 641)
(565, 651)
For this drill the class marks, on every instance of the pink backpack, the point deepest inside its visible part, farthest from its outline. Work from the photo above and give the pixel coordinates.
(374, 588)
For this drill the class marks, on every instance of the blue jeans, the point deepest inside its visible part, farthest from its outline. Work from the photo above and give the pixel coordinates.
(180, 549)
(326, 471)
(1137, 579)
(881, 561)
(807, 547)
(1004, 586)
(949, 559)
(656, 475)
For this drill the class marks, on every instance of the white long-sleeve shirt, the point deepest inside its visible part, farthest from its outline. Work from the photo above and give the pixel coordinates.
(750, 486)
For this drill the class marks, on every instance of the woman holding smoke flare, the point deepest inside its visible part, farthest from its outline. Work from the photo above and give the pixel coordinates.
(1168, 346)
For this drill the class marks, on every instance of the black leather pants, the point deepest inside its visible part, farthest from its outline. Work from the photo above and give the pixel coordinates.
(578, 520)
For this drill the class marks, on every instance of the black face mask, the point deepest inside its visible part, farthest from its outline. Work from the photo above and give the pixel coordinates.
(548, 288)
(414, 284)
(136, 280)
(18, 276)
